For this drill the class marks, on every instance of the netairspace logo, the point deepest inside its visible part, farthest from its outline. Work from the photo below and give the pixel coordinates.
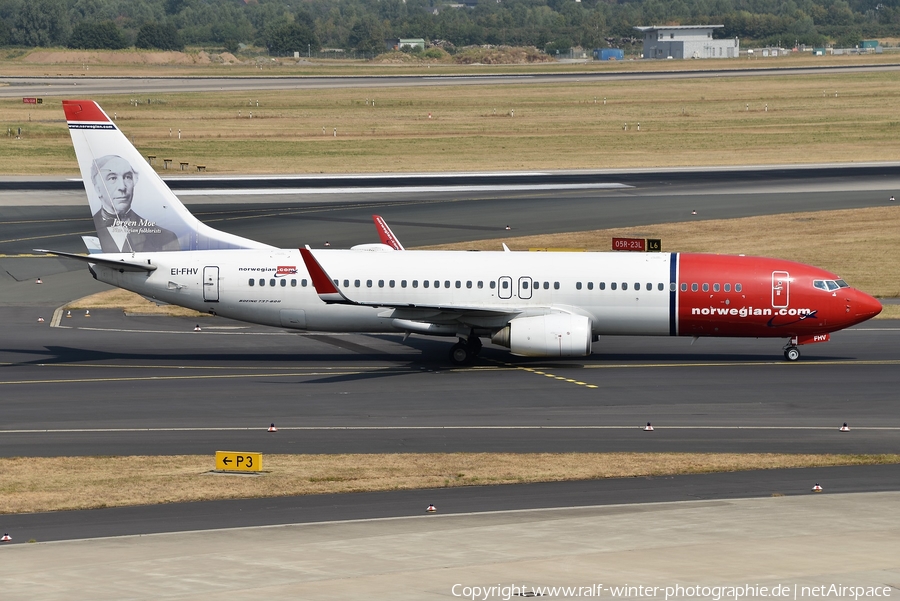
(713, 593)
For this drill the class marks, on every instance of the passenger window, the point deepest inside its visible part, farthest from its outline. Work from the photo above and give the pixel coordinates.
(252, 281)
(694, 288)
(556, 285)
(335, 282)
(637, 287)
(346, 283)
(546, 285)
(424, 284)
(505, 284)
(661, 286)
(391, 283)
(283, 282)
(303, 282)
(480, 284)
(356, 283)
(272, 282)
(368, 283)
(737, 287)
(525, 285)
(624, 285)
(262, 282)
(650, 286)
(437, 284)
(705, 287)
(493, 284)
(715, 287)
(468, 283)
(381, 283)
(459, 284)
(590, 285)
(613, 286)
(415, 283)
(602, 285)
(577, 285)
(446, 283)
(293, 283)
(727, 287)
(403, 283)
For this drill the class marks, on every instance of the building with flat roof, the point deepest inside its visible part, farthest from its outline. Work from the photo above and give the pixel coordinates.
(686, 41)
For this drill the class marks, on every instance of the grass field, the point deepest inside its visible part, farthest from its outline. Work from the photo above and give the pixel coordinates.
(818, 118)
(31, 484)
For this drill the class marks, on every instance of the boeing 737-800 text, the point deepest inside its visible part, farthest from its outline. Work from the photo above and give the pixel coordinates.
(536, 304)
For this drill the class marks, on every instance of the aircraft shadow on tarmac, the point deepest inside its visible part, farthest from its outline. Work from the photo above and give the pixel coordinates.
(433, 355)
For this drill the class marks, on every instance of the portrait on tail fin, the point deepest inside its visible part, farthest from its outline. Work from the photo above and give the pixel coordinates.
(119, 227)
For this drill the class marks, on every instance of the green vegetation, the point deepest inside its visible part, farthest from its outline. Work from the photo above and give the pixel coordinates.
(364, 25)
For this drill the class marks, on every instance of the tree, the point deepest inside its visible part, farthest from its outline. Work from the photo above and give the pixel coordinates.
(367, 37)
(104, 36)
(287, 38)
(42, 23)
(159, 36)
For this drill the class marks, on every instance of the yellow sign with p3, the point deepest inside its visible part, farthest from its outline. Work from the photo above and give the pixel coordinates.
(236, 461)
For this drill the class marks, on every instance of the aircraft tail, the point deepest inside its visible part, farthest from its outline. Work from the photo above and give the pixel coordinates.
(133, 208)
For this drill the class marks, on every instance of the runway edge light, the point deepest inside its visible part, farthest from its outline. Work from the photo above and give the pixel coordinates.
(817, 488)
(845, 428)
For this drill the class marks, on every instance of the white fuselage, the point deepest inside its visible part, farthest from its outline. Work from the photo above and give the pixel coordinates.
(272, 287)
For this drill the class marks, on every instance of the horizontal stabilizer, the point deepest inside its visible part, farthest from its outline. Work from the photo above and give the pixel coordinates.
(121, 265)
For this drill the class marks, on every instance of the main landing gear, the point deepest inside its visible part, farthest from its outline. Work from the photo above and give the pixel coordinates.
(791, 352)
(465, 351)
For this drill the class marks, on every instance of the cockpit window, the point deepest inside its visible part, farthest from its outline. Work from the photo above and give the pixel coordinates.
(843, 284)
(820, 284)
(832, 285)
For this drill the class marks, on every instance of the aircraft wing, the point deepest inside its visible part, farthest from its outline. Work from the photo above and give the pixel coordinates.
(480, 316)
(118, 264)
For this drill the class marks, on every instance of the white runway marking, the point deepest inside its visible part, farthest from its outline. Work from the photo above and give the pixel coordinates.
(401, 189)
(393, 428)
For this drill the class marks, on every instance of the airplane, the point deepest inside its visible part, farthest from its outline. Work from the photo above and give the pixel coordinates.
(554, 304)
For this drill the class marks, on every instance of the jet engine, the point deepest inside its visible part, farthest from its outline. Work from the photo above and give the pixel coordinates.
(553, 335)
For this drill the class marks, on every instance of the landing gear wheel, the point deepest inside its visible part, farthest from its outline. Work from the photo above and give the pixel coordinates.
(460, 353)
(792, 353)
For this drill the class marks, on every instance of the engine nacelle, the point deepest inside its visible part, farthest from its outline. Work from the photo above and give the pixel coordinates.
(553, 335)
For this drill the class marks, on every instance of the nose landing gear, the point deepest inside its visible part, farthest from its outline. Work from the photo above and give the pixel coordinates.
(791, 352)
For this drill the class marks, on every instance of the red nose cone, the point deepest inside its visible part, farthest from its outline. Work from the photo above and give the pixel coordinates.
(866, 306)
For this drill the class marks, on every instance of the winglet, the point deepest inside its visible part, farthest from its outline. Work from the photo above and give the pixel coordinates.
(385, 233)
(325, 287)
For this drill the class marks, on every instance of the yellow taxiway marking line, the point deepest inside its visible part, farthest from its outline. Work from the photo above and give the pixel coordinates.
(825, 363)
(192, 377)
(538, 372)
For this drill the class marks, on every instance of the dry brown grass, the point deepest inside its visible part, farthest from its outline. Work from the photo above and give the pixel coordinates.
(30, 484)
(859, 245)
(130, 303)
(696, 122)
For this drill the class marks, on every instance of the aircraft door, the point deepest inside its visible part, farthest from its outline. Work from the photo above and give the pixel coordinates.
(781, 289)
(211, 284)
(504, 287)
(525, 284)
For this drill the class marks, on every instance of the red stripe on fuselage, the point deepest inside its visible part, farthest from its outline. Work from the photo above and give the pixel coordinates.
(84, 110)
(768, 304)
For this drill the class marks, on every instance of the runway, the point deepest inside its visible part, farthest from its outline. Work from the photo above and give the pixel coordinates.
(64, 83)
(116, 384)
